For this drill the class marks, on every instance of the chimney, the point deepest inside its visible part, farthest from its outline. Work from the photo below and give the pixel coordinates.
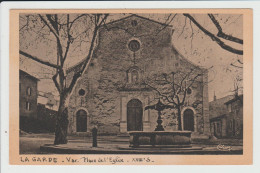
(215, 97)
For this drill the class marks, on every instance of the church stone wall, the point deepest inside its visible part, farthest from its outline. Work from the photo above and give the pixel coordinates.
(107, 75)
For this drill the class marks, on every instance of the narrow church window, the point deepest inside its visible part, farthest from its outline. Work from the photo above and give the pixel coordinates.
(218, 127)
(134, 76)
(28, 106)
(189, 91)
(29, 91)
(133, 22)
(229, 108)
(230, 124)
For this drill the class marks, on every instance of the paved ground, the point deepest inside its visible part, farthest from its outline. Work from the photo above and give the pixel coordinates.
(31, 143)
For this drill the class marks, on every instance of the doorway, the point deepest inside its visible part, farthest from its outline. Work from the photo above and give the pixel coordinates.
(188, 120)
(81, 117)
(134, 115)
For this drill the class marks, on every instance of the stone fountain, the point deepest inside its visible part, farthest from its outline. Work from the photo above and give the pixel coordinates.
(159, 137)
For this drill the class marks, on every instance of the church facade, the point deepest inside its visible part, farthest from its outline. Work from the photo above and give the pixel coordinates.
(111, 94)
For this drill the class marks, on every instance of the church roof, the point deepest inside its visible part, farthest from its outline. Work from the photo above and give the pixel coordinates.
(28, 75)
(141, 17)
(240, 97)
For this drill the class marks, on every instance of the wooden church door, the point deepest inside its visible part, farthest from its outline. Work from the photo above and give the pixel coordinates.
(188, 120)
(81, 116)
(134, 115)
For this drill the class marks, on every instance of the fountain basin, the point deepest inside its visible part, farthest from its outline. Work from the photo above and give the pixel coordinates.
(178, 139)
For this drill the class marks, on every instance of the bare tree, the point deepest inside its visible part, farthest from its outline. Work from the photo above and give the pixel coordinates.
(173, 88)
(220, 35)
(238, 87)
(64, 31)
(237, 64)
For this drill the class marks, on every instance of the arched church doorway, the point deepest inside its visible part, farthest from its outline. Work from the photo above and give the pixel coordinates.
(81, 117)
(188, 120)
(134, 115)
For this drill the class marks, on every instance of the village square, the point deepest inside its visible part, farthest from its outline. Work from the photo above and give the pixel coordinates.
(145, 83)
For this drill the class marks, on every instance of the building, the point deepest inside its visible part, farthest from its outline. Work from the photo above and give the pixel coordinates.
(226, 117)
(48, 99)
(235, 117)
(27, 94)
(111, 95)
(27, 101)
(218, 112)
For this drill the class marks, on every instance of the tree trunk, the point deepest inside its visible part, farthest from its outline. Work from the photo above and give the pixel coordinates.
(179, 119)
(62, 122)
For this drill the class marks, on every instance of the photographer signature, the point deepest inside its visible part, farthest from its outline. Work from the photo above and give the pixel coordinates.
(223, 147)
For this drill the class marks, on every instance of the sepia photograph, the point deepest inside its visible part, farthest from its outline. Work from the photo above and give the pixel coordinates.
(130, 87)
(131, 83)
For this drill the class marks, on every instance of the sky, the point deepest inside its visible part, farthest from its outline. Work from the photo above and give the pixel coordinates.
(192, 43)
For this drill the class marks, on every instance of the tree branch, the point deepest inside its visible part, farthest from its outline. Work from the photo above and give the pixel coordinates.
(160, 94)
(185, 93)
(173, 84)
(194, 80)
(27, 23)
(186, 88)
(74, 80)
(38, 60)
(213, 37)
(235, 65)
(183, 27)
(53, 23)
(87, 60)
(239, 61)
(71, 23)
(221, 33)
(166, 23)
(183, 79)
(191, 36)
(54, 78)
(69, 39)
(56, 34)
(103, 20)
(51, 29)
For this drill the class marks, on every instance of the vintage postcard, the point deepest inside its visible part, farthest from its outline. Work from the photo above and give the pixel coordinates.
(131, 87)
